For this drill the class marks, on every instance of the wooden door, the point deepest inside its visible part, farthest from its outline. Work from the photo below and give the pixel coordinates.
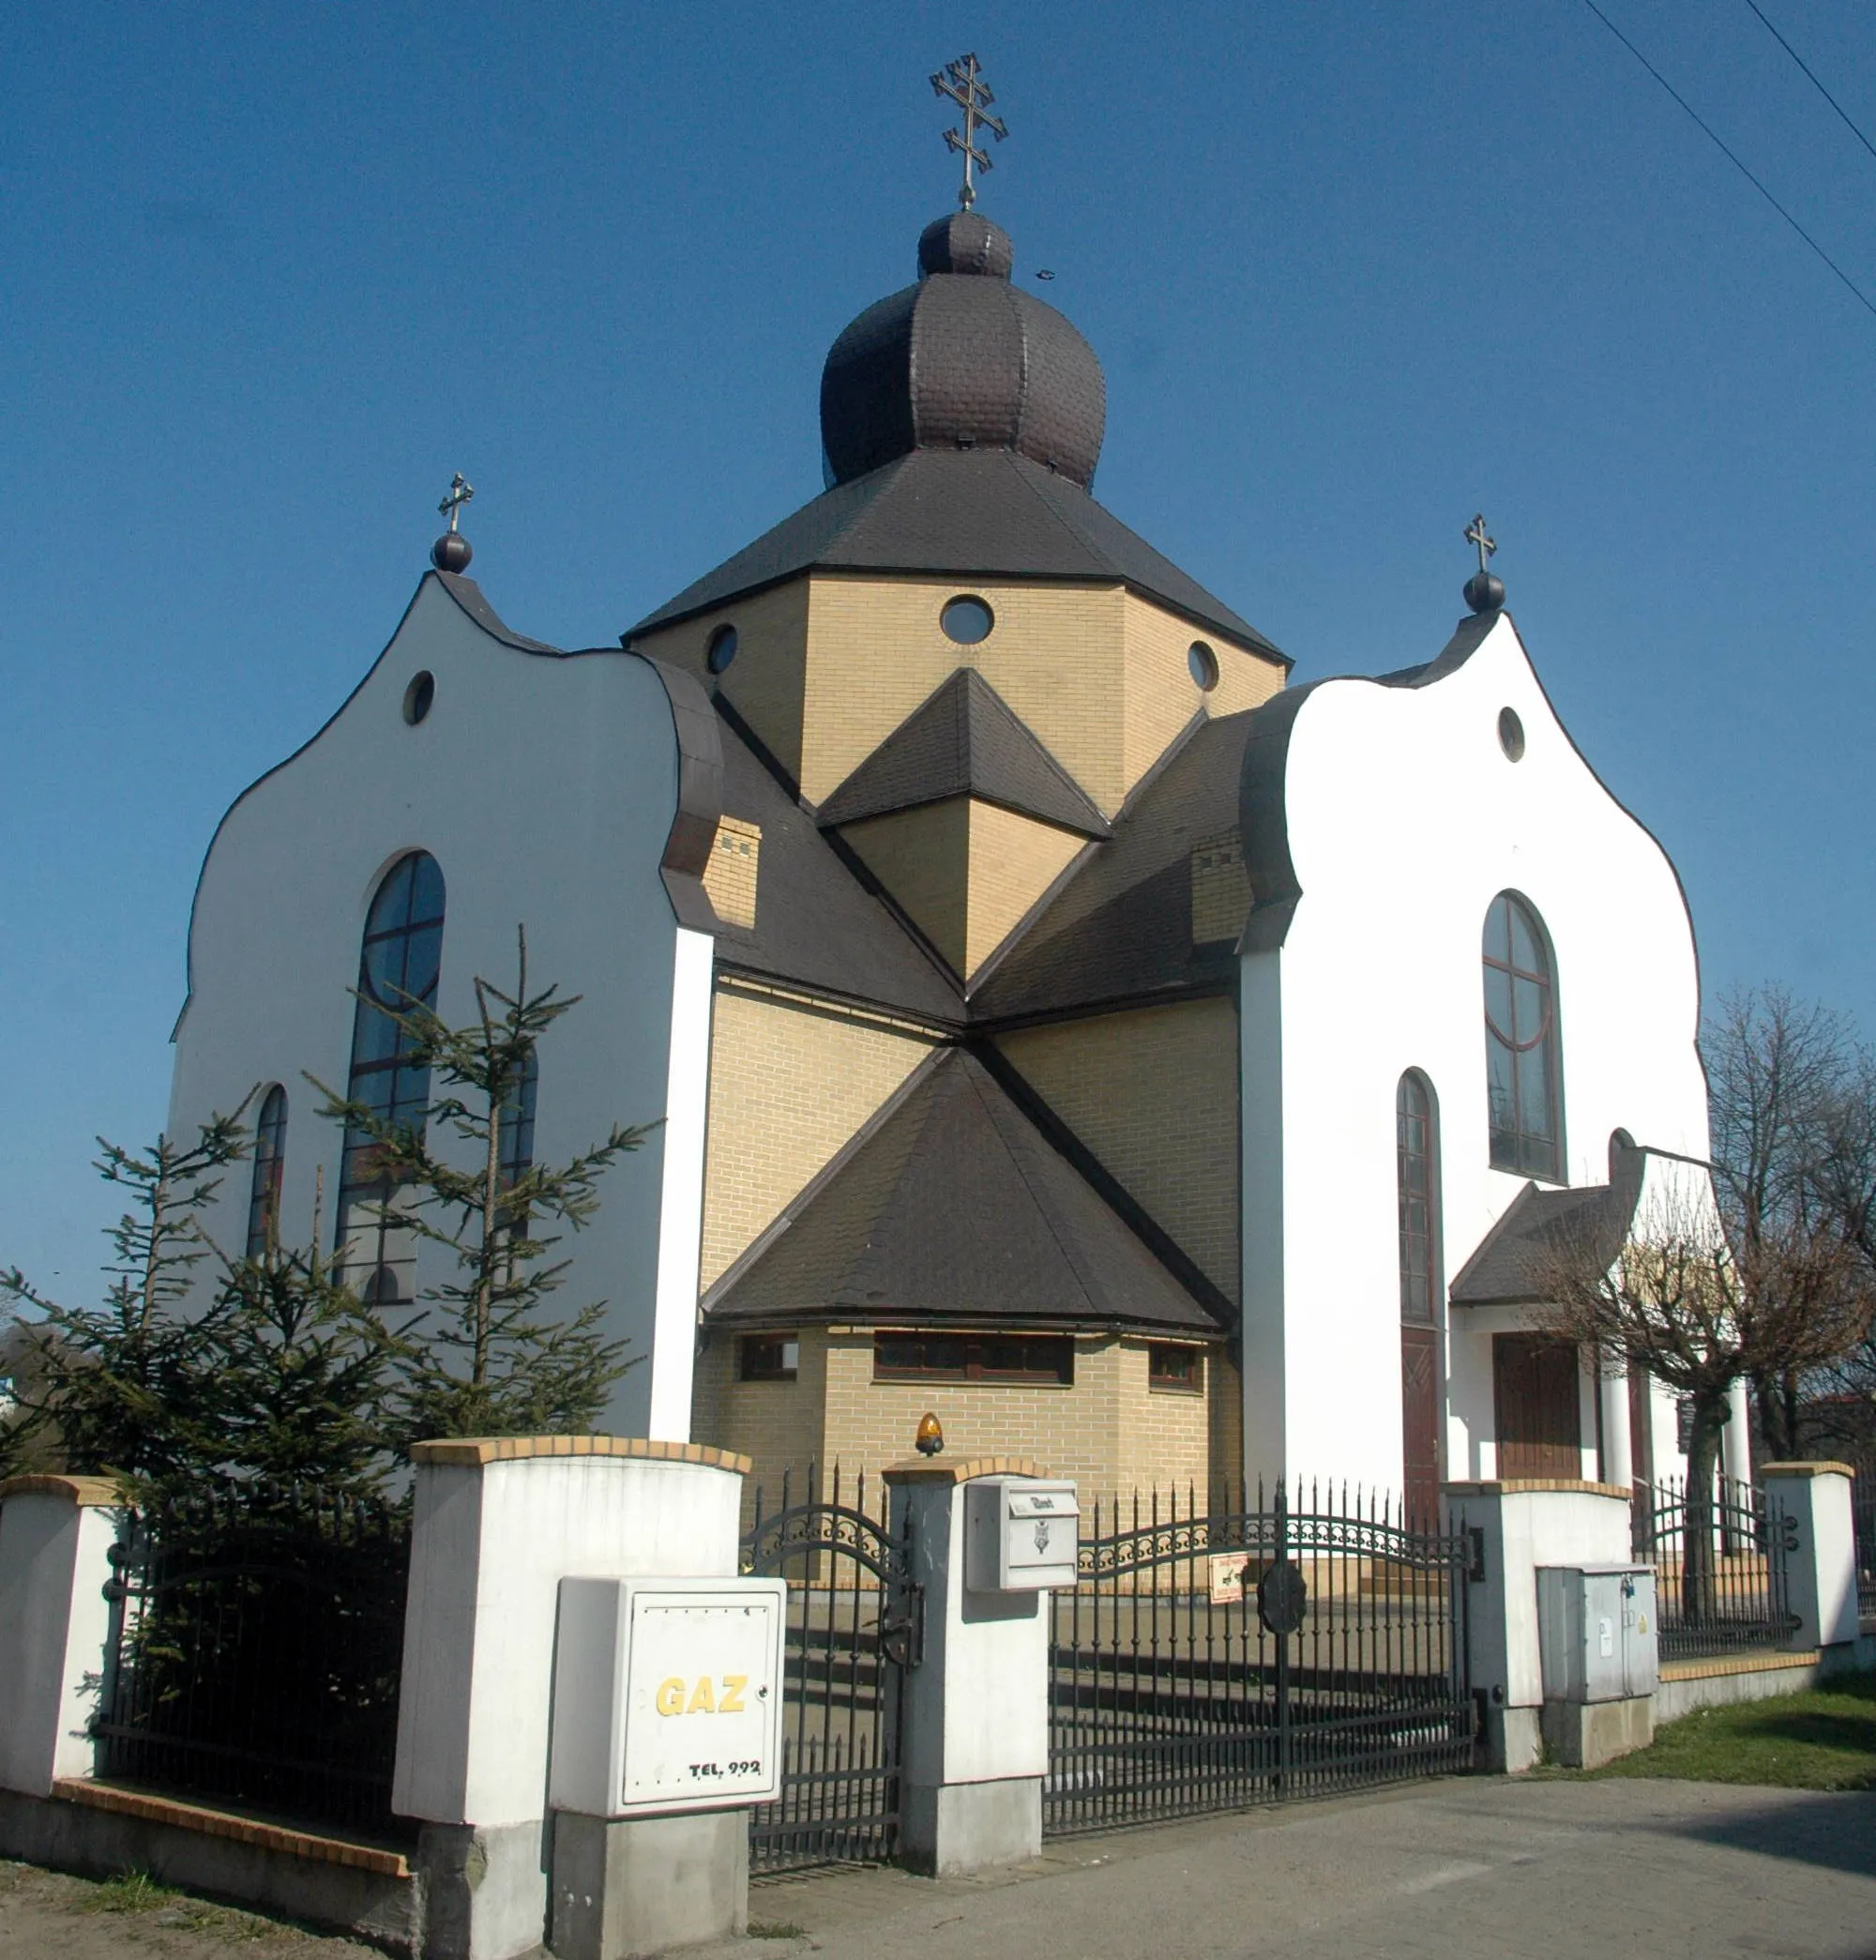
(1537, 1387)
(1420, 1426)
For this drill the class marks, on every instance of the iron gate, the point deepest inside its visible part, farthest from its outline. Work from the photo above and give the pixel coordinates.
(1257, 1654)
(1719, 1567)
(855, 1620)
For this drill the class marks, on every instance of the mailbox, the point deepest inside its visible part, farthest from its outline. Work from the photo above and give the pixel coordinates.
(1597, 1631)
(667, 1694)
(1021, 1534)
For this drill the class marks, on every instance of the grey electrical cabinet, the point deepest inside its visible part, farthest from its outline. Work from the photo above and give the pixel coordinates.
(1597, 1631)
(1021, 1534)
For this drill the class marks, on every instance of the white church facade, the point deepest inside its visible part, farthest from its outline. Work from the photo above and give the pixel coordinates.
(1053, 1020)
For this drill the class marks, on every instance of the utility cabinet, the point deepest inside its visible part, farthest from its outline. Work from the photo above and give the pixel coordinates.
(1598, 1632)
(1021, 1534)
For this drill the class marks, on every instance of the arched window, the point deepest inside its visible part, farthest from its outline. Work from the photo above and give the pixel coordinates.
(517, 1145)
(1520, 1043)
(1417, 1158)
(270, 1162)
(398, 969)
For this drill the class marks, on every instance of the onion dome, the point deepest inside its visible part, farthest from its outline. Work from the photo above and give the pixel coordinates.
(962, 360)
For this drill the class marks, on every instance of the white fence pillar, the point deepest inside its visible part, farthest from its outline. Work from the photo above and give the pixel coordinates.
(55, 1538)
(975, 1723)
(498, 1524)
(1519, 1525)
(1821, 1562)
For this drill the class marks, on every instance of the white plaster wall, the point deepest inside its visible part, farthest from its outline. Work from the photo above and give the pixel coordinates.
(544, 786)
(1405, 820)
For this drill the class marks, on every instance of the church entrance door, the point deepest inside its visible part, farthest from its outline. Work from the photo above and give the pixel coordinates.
(1420, 1426)
(1536, 1383)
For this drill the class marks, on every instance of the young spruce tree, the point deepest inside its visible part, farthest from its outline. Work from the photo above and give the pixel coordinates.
(490, 1360)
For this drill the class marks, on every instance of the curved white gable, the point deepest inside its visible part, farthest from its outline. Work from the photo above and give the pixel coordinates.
(1405, 819)
(544, 784)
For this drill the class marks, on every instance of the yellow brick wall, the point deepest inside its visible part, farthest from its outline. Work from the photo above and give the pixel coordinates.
(732, 875)
(1014, 860)
(788, 1086)
(1162, 696)
(923, 858)
(1153, 1093)
(764, 683)
(779, 1422)
(1220, 888)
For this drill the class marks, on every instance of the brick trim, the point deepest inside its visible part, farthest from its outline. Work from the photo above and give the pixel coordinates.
(1514, 1486)
(226, 1823)
(928, 1470)
(473, 1451)
(1823, 1469)
(100, 1492)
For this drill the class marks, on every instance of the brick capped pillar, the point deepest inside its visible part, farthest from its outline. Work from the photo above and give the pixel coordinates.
(1821, 1562)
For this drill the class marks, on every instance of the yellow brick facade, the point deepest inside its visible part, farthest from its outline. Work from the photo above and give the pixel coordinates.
(789, 1086)
(830, 665)
(1220, 888)
(1153, 1093)
(734, 869)
(1014, 860)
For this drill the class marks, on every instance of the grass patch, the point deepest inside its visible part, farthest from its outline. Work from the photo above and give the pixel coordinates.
(1820, 1739)
(130, 1892)
(775, 1929)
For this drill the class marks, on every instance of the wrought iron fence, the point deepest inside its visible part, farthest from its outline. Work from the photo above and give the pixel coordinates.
(1272, 1646)
(258, 1640)
(854, 1621)
(1719, 1564)
(1863, 1518)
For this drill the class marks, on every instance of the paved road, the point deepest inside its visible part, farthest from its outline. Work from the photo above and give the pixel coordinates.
(1467, 1870)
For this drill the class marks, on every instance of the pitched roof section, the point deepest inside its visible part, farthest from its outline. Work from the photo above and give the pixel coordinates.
(965, 740)
(1120, 929)
(974, 512)
(877, 1235)
(1537, 1226)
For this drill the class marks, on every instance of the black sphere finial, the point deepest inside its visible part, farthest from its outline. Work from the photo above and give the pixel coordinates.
(1484, 592)
(451, 552)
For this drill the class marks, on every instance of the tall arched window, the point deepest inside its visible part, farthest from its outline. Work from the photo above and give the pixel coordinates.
(398, 969)
(1520, 1043)
(1417, 1185)
(270, 1162)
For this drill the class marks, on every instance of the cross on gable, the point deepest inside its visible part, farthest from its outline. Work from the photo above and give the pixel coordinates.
(960, 81)
(1476, 534)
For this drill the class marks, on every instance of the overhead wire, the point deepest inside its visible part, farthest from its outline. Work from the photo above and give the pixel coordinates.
(1713, 136)
(1842, 112)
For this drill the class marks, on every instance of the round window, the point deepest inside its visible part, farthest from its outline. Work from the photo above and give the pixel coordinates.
(966, 620)
(418, 697)
(1203, 663)
(722, 650)
(1511, 734)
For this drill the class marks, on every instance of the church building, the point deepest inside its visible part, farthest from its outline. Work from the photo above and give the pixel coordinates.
(1054, 1020)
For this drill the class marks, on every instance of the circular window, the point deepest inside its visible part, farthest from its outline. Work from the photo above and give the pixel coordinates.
(966, 620)
(418, 697)
(722, 650)
(1203, 663)
(1511, 734)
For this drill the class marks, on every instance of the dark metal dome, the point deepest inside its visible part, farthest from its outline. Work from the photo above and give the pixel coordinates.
(962, 360)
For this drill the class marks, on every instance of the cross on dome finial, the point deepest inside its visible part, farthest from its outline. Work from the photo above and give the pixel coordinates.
(961, 80)
(452, 552)
(1483, 592)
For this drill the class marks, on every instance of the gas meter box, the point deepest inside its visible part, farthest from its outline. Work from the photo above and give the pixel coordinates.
(1021, 1534)
(1597, 1631)
(667, 1694)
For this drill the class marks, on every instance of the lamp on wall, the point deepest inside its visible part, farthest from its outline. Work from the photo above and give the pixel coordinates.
(931, 1436)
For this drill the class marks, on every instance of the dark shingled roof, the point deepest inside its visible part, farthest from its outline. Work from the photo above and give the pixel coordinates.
(1121, 928)
(975, 512)
(964, 741)
(1539, 1225)
(880, 1234)
(817, 922)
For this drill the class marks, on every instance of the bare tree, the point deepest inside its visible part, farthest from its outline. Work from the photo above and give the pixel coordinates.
(1675, 1297)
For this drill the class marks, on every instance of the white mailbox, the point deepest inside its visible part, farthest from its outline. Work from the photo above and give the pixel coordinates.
(1597, 1631)
(1021, 1534)
(667, 1694)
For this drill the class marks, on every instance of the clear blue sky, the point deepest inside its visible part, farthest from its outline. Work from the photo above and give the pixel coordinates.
(1354, 271)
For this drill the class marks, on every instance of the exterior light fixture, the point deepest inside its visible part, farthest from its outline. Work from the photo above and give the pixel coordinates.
(931, 1436)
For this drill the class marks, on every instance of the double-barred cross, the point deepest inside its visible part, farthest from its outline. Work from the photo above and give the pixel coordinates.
(1476, 534)
(460, 492)
(961, 81)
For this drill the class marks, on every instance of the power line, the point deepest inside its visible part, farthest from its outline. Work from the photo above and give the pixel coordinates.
(1842, 112)
(1713, 136)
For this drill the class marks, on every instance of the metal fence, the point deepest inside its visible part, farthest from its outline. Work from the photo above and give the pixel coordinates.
(1863, 1517)
(855, 1620)
(1719, 1567)
(257, 1644)
(1272, 1646)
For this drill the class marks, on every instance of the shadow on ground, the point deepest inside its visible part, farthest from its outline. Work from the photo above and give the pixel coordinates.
(1837, 1830)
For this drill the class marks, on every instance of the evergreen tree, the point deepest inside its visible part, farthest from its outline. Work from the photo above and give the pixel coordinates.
(491, 1359)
